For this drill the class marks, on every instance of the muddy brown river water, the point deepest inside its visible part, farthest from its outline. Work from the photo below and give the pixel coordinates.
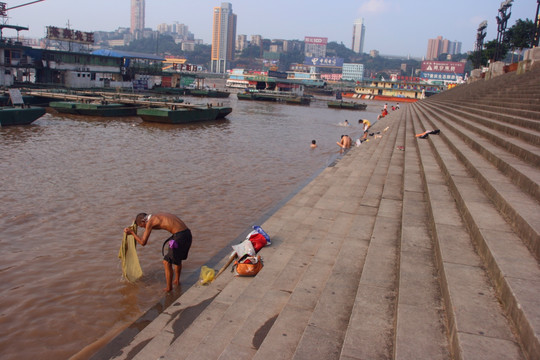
(70, 184)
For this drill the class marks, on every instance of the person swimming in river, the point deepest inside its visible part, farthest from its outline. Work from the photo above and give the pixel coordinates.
(178, 244)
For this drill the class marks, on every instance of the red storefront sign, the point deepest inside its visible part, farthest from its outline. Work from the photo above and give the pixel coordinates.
(443, 67)
(316, 40)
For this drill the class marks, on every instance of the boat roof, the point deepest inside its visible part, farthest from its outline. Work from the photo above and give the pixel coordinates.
(14, 27)
(127, 54)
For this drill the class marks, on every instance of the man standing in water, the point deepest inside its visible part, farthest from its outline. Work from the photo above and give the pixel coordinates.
(344, 142)
(178, 244)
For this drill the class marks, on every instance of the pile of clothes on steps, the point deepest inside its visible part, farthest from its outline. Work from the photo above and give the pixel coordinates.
(426, 133)
(248, 263)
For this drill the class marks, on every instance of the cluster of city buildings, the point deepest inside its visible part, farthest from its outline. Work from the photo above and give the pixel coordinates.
(225, 43)
(74, 68)
(123, 36)
(437, 47)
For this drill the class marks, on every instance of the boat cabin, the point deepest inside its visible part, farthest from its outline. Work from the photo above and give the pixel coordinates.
(398, 89)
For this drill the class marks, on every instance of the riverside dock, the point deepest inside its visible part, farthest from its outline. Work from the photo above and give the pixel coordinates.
(405, 248)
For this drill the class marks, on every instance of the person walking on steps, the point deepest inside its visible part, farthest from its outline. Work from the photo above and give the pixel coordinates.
(367, 125)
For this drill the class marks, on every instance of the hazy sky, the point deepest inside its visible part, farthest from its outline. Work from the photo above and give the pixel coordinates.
(394, 27)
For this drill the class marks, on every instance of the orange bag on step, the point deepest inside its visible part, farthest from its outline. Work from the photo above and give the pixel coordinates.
(248, 266)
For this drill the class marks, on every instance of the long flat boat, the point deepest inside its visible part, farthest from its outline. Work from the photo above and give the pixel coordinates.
(170, 91)
(349, 105)
(223, 111)
(288, 99)
(93, 109)
(13, 115)
(180, 115)
(208, 93)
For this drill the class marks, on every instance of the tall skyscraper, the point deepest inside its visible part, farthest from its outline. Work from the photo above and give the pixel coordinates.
(223, 38)
(137, 16)
(359, 31)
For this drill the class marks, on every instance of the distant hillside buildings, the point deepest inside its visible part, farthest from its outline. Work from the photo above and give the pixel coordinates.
(123, 36)
(439, 46)
(241, 42)
(176, 29)
(315, 46)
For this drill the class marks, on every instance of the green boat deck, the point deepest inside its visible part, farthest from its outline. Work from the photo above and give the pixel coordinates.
(178, 116)
(346, 105)
(286, 98)
(19, 116)
(93, 109)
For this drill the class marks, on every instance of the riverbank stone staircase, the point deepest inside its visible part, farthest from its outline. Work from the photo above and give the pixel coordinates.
(405, 248)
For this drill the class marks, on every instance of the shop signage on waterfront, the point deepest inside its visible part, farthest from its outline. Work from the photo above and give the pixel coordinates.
(439, 76)
(65, 34)
(316, 40)
(443, 67)
(323, 61)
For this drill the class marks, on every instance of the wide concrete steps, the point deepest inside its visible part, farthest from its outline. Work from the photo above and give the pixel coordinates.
(507, 168)
(313, 323)
(305, 293)
(500, 85)
(509, 182)
(482, 92)
(522, 130)
(499, 212)
(523, 111)
(316, 286)
(398, 311)
(405, 248)
(477, 327)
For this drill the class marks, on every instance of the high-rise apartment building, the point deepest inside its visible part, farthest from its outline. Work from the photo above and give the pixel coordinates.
(176, 29)
(137, 16)
(433, 48)
(241, 42)
(354, 72)
(292, 45)
(256, 40)
(223, 38)
(359, 31)
(456, 48)
(440, 46)
(315, 46)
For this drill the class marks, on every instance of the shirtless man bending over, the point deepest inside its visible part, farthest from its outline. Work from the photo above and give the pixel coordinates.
(178, 244)
(345, 142)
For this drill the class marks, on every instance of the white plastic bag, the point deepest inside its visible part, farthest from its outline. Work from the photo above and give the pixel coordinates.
(245, 247)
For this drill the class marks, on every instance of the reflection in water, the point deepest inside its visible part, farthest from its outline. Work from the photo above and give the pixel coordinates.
(70, 184)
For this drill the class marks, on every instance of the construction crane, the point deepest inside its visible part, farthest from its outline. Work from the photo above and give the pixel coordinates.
(4, 9)
(3, 14)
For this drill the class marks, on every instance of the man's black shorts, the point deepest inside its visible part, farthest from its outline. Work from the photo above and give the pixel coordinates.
(178, 245)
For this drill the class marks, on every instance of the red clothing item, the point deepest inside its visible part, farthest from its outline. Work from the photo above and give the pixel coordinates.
(258, 241)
